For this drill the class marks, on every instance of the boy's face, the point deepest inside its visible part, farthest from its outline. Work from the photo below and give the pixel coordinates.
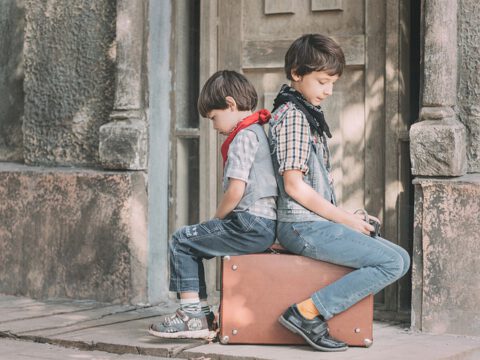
(315, 86)
(224, 121)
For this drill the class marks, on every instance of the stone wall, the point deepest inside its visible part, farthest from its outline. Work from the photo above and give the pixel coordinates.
(446, 266)
(78, 234)
(11, 79)
(468, 95)
(69, 232)
(69, 79)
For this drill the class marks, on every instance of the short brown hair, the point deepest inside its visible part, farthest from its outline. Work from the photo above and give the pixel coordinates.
(226, 83)
(314, 52)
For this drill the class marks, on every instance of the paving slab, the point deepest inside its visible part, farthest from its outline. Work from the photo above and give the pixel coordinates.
(122, 336)
(24, 309)
(119, 329)
(56, 320)
(390, 342)
(94, 322)
(23, 350)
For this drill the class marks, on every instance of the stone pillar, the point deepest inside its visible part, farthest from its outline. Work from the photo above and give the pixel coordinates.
(438, 141)
(124, 140)
(445, 268)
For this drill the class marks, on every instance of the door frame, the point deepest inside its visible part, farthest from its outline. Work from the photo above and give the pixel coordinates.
(393, 179)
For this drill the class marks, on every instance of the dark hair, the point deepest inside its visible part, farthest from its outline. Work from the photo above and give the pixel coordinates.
(314, 52)
(226, 83)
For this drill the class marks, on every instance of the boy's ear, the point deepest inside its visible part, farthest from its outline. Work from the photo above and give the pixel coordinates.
(295, 76)
(232, 104)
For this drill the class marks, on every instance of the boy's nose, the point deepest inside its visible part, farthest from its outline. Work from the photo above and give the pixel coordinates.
(329, 89)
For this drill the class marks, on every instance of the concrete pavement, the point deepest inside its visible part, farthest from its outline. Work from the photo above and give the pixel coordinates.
(26, 350)
(92, 330)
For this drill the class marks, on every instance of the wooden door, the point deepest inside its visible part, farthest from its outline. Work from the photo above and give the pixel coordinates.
(366, 113)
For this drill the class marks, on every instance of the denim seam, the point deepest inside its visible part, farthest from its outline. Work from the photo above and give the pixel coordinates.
(247, 225)
(306, 244)
(264, 226)
(186, 289)
(197, 237)
(359, 296)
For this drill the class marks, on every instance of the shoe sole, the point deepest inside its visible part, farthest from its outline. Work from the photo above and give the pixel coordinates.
(196, 334)
(296, 330)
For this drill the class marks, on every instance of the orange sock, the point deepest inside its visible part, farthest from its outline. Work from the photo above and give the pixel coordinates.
(308, 309)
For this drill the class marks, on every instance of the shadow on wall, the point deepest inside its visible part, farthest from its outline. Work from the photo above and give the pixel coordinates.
(12, 24)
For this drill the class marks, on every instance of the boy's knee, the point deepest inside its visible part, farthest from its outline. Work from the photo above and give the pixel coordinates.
(406, 261)
(394, 267)
(175, 240)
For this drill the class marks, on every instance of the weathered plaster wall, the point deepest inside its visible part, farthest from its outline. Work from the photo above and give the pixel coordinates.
(468, 95)
(69, 79)
(73, 233)
(12, 22)
(446, 265)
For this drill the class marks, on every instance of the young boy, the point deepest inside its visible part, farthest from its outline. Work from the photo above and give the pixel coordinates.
(244, 222)
(309, 222)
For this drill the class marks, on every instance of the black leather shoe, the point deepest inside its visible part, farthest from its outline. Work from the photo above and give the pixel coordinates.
(315, 331)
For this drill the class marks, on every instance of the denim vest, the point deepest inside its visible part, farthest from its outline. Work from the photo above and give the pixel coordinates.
(288, 210)
(261, 180)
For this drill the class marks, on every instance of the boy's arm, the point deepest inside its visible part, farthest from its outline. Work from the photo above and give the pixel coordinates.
(306, 196)
(231, 197)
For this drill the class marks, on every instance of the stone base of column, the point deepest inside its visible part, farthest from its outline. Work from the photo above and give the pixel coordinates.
(445, 266)
(438, 144)
(73, 233)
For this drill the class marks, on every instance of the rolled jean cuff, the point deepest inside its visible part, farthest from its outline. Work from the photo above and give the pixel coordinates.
(186, 285)
(327, 315)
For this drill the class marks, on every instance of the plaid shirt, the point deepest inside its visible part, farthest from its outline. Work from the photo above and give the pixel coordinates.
(293, 140)
(293, 136)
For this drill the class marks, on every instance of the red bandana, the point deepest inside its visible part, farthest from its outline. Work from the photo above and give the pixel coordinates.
(260, 117)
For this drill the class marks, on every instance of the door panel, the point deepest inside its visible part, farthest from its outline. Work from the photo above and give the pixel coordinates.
(253, 37)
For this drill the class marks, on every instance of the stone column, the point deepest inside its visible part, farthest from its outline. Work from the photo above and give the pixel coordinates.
(124, 140)
(438, 141)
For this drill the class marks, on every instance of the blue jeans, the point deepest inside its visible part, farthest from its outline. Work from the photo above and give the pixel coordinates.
(377, 261)
(239, 233)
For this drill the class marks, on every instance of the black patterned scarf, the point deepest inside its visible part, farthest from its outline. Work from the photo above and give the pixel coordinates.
(314, 114)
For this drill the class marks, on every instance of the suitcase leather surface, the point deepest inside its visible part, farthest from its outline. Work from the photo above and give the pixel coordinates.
(258, 288)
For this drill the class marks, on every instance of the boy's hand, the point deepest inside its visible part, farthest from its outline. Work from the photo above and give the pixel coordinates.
(231, 198)
(357, 223)
(371, 217)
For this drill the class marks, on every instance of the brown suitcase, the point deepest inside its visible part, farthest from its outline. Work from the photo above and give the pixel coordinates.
(258, 288)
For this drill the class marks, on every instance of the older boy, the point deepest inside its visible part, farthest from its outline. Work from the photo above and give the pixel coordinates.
(245, 218)
(309, 222)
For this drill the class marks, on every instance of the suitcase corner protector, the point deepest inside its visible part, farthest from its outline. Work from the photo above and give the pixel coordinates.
(224, 339)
